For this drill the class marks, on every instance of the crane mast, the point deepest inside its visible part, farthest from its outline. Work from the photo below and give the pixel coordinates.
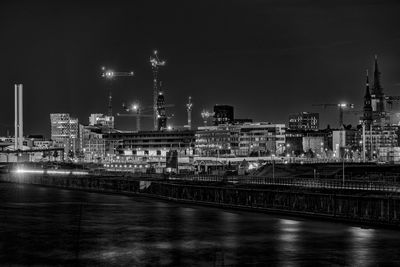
(189, 107)
(341, 107)
(135, 110)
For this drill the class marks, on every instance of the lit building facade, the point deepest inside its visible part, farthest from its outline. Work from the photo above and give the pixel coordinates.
(304, 121)
(99, 119)
(65, 131)
(241, 139)
(261, 138)
(93, 143)
(217, 140)
(379, 138)
(152, 144)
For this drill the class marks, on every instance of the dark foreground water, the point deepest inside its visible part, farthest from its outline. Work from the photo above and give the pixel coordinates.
(45, 226)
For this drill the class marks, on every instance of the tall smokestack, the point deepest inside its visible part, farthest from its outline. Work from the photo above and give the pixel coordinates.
(21, 120)
(18, 116)
(15, 117)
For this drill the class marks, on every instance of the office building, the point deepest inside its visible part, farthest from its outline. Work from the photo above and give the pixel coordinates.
(304, 121)
(99, 119)
(65, 131)
(223, 114)
(151, 144)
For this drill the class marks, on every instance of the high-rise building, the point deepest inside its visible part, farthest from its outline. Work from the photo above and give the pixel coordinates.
(304, 121)
(223, 114)
(161, 112)
(65, 131)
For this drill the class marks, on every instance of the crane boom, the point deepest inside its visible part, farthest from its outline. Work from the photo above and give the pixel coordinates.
(109, 75)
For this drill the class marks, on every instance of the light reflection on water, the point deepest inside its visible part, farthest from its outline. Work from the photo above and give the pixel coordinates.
(120, 230)
(288, 238)
(361, 245)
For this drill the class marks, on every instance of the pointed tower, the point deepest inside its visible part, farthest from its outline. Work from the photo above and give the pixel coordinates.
(378, 98)
(367, 118)
(377, 90)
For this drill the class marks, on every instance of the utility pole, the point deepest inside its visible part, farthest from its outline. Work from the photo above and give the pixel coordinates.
(156, 63)
(363, 142)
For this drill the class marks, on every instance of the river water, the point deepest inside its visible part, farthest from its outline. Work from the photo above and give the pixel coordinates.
(47, 226)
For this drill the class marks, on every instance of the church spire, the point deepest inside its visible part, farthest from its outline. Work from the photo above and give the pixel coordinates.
(377, 90)
(367, 117)
(367, 92)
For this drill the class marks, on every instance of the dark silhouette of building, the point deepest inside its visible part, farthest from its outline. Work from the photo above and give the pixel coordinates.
(223, 114)
(378, 97)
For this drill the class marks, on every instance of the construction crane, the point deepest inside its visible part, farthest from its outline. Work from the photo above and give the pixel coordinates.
(341, 107)
(156, 63)
(364, 125)
(205, 114)
(110, 75)
(136, 111)
(189, 107)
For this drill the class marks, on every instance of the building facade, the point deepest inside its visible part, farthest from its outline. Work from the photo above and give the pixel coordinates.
(93, 144)
(65, 132)
(217, 140)
(152, 144)
(223, 114)
(99, 119)
(378, 138)
(258, 139)
(345, 143)
(304, 121)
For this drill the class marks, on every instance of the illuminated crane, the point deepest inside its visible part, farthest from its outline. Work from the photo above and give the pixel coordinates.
(136, 111)
(109, 75)
(189, 107)
(341, 107)
(156, 63)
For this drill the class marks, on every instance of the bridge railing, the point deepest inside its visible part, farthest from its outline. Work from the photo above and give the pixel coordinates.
(290, 181)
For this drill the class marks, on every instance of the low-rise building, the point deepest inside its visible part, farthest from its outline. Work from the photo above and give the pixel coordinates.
(378, 137)
(151, 145)
(241, 139)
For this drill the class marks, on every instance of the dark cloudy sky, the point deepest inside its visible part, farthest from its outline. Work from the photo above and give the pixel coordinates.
(267, 58)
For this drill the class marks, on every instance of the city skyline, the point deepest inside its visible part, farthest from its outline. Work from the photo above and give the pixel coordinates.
(223, 54)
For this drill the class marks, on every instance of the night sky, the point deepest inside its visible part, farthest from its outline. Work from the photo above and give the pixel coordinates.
(266, 58)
